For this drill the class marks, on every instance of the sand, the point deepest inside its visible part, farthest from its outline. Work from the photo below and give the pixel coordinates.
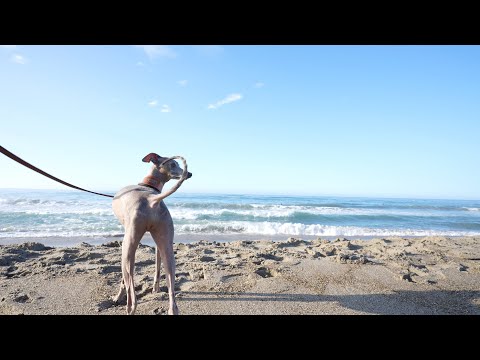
(431, 275)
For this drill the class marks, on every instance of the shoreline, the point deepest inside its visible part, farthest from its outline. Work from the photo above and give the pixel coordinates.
(72, 241)
(390, 275)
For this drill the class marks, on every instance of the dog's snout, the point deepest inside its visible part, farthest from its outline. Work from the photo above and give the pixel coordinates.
(189, 175)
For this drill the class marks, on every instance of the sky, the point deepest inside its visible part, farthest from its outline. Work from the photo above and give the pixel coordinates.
(383, 121)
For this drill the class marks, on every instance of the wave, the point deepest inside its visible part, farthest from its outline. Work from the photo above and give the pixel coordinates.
(68, 234)
(66, 213)
(25, 214)
(238, 228)
(209, 205)
(43, 202)
(192, 210)
(277, 228)
(45, 207)
(371, 204)
(71, 228)
(100, 212)
(292, 211)
(271, 211)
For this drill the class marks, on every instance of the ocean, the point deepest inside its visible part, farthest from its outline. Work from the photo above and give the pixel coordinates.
(61, 217)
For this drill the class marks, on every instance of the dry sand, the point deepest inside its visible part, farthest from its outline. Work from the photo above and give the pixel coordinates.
(431, 275)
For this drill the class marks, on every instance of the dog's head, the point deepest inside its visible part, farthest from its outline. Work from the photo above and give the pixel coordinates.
(166, 166)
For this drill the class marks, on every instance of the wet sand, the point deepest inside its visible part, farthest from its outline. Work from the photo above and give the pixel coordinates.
(430, 275)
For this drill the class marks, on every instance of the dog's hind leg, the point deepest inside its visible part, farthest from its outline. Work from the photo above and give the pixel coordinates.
(169, 265)
(121, 293)
(165, 247)
(129, 247)
(156, 279)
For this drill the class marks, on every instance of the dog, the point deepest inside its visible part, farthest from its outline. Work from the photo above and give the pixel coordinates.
(140, 208)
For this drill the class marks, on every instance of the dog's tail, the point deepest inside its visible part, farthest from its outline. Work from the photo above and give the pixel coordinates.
(174, 188)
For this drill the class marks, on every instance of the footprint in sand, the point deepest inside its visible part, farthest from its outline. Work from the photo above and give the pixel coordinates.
(22, 298)
(269, 256)
(263, 272)
(207, 259)
(266, 272)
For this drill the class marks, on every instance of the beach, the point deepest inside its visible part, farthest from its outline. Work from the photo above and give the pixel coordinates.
(322, 180)
(389, 275)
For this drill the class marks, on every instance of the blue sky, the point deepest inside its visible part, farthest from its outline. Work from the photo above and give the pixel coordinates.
(390, 121)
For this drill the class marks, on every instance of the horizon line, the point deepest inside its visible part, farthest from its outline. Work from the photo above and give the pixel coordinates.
(228, 193)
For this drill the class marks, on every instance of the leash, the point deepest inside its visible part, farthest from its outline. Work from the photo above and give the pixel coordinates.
(30, 166)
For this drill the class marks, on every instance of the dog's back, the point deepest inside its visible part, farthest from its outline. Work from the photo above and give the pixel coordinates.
(132, 202)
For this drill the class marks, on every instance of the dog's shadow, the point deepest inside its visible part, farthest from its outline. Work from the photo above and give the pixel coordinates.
(434, 302)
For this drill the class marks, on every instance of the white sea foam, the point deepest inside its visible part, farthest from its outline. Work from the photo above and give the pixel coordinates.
(74, 227)
(46, 207)
(275, 211)
(68, 228)
(195, 211)
(277, 228)
(69, 211)
(66, 234)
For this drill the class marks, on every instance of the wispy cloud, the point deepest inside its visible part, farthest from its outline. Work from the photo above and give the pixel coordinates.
(155, 51)
(15, 57)
(18, 59)
(166, 108)
(229, 99)
(153, 103)
(259, 84)
(182, 82)
(140, 63)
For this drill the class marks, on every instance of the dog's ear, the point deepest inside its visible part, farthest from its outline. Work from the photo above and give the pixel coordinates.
(154, 158)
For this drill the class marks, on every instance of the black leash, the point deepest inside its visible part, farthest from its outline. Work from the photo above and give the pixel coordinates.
(30, 166)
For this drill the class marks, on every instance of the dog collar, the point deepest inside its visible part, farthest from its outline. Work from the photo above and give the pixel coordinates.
(150, 181)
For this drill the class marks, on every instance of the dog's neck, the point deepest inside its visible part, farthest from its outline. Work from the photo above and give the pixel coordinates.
(155, 179)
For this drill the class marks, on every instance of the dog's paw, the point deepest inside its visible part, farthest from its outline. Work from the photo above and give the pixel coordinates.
(173, 310)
